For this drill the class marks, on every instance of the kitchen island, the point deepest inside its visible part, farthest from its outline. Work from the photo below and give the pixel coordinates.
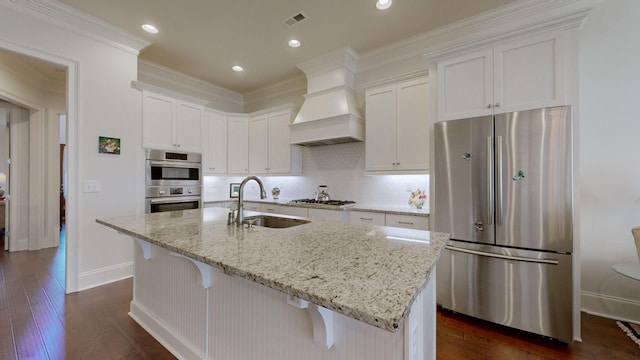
(320, 290)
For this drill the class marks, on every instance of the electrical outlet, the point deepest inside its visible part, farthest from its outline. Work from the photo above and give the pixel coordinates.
(91, 186)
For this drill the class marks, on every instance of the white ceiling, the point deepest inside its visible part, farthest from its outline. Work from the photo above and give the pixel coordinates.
(204, 38)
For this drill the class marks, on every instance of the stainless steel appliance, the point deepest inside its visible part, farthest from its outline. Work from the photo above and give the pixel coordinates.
(504, 192)
(337, 203)
(172, 168)
(174, 181)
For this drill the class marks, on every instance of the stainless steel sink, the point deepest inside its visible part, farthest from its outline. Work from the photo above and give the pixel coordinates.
(273, 221)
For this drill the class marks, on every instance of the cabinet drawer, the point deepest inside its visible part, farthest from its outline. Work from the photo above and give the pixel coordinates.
(364, 217)
(294, 211)
(322, 214)
(253, 206)
(407, 221)
(270, 208)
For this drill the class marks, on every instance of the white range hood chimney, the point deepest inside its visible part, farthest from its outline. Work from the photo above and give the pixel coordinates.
(329, 114)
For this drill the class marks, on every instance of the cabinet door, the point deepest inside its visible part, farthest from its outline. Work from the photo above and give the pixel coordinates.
(380, 144)
(407, 221)
(412, 126)
(157, 120)
(188, 127)
(465, 86)
(279, 144)
(366, 217)
(214, 160)
(238, 145)
(528, 74)
(259, 144)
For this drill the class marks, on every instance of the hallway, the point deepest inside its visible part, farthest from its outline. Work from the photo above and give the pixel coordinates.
(37, 320)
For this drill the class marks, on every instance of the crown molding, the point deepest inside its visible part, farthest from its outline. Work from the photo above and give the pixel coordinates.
(342, 58)
(296, 85)
(157, 73)
(395, 79)
(521, 18)
(76, 21)
(139, 85)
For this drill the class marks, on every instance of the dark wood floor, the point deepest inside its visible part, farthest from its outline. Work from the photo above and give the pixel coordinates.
(37, 321)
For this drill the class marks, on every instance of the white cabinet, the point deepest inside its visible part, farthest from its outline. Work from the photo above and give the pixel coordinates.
(366, 217)
(407, 221)
(270, 208)
(270, 151)
(519, 75)
(397, 131)
(252, 206)
(171, 124)
(294, 211)
(324, 214)
(214, 159)
(238, 144)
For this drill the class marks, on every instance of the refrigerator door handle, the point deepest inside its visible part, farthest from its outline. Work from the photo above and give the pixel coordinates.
(500, 256)
(490, 176)
(499, 180)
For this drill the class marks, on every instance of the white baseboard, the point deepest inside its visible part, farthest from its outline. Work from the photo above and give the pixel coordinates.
(105, 275)
(610, 306)
(160, 331)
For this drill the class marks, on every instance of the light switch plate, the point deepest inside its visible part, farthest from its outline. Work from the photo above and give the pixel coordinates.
(91, 186)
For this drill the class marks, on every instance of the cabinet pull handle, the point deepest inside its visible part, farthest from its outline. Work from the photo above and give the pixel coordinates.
(366, 219)
(405, 222)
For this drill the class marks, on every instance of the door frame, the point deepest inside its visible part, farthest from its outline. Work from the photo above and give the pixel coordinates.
(71, 258)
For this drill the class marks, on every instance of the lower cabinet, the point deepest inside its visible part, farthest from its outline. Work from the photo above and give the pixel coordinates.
(294, 211)
(323, 214)
(270, 208)
(365, 217)
(407, 221)
(252, 206)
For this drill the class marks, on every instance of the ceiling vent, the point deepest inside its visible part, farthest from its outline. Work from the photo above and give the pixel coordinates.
(294, 20)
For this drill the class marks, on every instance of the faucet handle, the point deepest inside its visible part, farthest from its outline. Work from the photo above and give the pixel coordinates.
(231, 217)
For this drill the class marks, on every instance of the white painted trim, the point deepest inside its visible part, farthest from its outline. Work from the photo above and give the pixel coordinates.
(105, 275)
(149, 70)
(56, 13)
(394, 79)
(177, 345)
(611, 307)
(139, 85)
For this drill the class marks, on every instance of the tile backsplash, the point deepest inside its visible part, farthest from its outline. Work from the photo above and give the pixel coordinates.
(340, 167)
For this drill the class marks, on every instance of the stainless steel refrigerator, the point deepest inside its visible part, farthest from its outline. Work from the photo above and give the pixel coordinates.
(504, 193)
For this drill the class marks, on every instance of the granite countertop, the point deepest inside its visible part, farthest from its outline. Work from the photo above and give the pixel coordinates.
(369, 273)
(385, 208)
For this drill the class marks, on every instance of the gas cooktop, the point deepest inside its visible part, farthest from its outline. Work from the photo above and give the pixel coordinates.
(328, 202)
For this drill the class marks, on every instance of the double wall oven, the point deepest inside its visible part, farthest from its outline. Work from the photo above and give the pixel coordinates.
(173, 181)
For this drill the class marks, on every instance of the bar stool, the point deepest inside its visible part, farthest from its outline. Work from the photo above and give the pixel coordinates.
(631, 270)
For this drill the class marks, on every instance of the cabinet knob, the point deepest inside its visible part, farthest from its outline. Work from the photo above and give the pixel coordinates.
(496, 105)
(489, 106)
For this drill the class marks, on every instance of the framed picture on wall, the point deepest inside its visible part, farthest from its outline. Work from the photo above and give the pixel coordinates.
(234, 190)
(108, 145)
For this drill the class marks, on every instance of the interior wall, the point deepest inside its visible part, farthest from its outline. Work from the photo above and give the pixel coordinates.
(106, 105)
(610, 174)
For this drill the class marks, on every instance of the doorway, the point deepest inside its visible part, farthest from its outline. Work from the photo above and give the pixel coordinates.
(44, 121)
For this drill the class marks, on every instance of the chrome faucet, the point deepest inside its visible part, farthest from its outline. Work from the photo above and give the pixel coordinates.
(263, 195)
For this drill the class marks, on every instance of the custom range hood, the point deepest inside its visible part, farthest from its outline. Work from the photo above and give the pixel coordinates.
(329, 114)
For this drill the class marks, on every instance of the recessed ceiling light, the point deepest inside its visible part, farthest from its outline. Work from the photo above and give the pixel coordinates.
(294, 43)
(237, 68)
(150, 28)
(383, 4)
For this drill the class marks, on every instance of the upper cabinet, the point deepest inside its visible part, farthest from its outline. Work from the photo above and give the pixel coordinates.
(519, 75)
(214, 156)
(170, 122)
(397, 127)
(270, 150)
(238, 144)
